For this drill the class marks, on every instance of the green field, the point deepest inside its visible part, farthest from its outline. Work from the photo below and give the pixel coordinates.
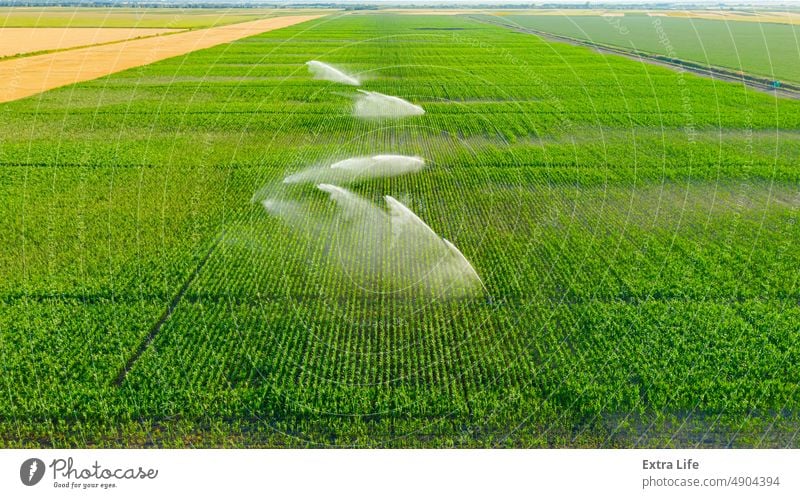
(764, 49)
(635, 229)
(83, 17)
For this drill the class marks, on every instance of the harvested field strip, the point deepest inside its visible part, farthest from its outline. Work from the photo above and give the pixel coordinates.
(118, 17)
(754, 16)
(16, 41)
(31, 75)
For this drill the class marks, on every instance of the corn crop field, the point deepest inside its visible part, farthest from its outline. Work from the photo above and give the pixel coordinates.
(634, 232)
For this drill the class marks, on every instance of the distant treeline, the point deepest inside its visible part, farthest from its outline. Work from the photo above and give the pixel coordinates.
(200, 5)
(166, 5)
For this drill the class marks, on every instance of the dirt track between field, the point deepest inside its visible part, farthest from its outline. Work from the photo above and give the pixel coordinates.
(26, 76)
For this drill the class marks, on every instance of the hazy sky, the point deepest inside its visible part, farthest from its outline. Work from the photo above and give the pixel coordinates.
(712, 3)
(540, 2)
(763, 4)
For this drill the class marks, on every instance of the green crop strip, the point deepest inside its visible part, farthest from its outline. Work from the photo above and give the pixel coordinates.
(761, 48)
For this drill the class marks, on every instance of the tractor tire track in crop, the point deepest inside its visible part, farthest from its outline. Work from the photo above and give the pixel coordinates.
(156, 328)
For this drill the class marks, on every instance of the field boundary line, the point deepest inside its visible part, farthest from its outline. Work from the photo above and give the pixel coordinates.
(156, 328)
